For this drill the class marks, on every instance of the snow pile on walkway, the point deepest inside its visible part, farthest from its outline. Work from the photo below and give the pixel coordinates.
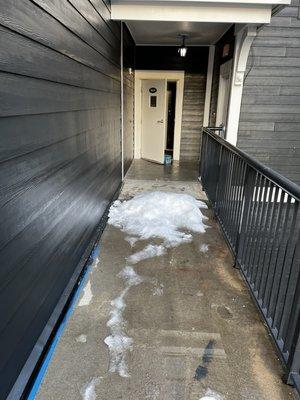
(167, 216)
(117, 342)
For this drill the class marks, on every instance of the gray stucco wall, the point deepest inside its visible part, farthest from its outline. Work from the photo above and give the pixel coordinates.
(60, 159)
(269, 126)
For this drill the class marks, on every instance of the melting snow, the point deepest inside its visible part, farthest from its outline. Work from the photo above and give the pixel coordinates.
(211, 395)
(203, 248)
(131, 240)
(130, 276)
(117, 342)
(96, 262)
(81, 338)
(89, 391)
(158, 290)
(87, 295)
(158, 215)
(166, 216)
(151, 250)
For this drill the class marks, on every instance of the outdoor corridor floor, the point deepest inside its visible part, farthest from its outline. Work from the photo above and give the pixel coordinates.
(194, 327)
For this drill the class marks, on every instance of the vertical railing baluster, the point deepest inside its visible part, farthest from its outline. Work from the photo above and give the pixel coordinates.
(258, 213)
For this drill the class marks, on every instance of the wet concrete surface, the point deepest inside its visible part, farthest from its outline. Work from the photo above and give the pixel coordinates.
(178, 171)
(193, 324)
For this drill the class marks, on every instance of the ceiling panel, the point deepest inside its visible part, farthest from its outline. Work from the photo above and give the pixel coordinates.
(166, 33)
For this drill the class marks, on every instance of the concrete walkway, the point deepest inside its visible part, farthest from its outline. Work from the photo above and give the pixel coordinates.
(194, 327)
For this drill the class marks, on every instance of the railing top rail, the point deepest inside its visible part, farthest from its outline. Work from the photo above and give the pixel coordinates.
(290, 187)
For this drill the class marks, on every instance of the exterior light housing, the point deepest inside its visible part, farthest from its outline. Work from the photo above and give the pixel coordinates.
(182, 49)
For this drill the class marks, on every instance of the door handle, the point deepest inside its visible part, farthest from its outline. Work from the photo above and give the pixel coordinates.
(160, 121)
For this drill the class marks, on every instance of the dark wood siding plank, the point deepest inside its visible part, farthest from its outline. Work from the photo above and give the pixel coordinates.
(47, 97)
(26, 57)
(31, 21)
(73, 17)
(59, 159)
(192, 116)
(103, 11)
(269, 126)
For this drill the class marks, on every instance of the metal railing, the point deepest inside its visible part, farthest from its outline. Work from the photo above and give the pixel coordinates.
(258, 210)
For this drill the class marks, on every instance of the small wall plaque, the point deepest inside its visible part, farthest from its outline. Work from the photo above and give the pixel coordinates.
(153, 90)
(226, 49)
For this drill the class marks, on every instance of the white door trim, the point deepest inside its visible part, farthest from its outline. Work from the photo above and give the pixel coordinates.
(244, 36)
(177, 76)
(224, 84)
(209, 78)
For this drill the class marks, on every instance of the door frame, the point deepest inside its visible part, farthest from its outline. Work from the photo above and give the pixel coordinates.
(178, 77)
(225, 75)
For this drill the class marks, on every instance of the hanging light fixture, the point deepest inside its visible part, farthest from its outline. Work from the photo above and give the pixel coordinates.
(182, 49)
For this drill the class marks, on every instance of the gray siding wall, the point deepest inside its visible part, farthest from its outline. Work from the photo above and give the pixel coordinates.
(270, 115)
(192, 116)
(60, 157)
(128, 102)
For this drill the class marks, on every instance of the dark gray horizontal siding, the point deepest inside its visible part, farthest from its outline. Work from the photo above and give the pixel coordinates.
(59, 158)
(270, 114)
(34, 22)
(192, 116)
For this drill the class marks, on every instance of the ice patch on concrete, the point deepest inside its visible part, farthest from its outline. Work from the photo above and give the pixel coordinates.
(158, 290)
(131, 240)
(96, 262)
(118, 345)
(87, 295)
(149, 251)
(152, 391)
(159, 215)
(81, 339)
(88, 392)
(203, 248)
(117, 342)
(211, 395)
(130, 276)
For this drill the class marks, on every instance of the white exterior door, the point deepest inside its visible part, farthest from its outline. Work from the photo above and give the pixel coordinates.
(223, 95)
(154, 119)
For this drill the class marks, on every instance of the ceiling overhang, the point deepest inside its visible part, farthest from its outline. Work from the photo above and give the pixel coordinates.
(221, 11)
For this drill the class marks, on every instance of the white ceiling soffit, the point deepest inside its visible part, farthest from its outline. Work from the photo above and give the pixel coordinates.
(223, 11)
(166, 32)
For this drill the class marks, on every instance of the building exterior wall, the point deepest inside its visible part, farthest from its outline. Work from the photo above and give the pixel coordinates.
(192, 116)
(128, 100)
(269, 127)
(60, 157)
(219, 59)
